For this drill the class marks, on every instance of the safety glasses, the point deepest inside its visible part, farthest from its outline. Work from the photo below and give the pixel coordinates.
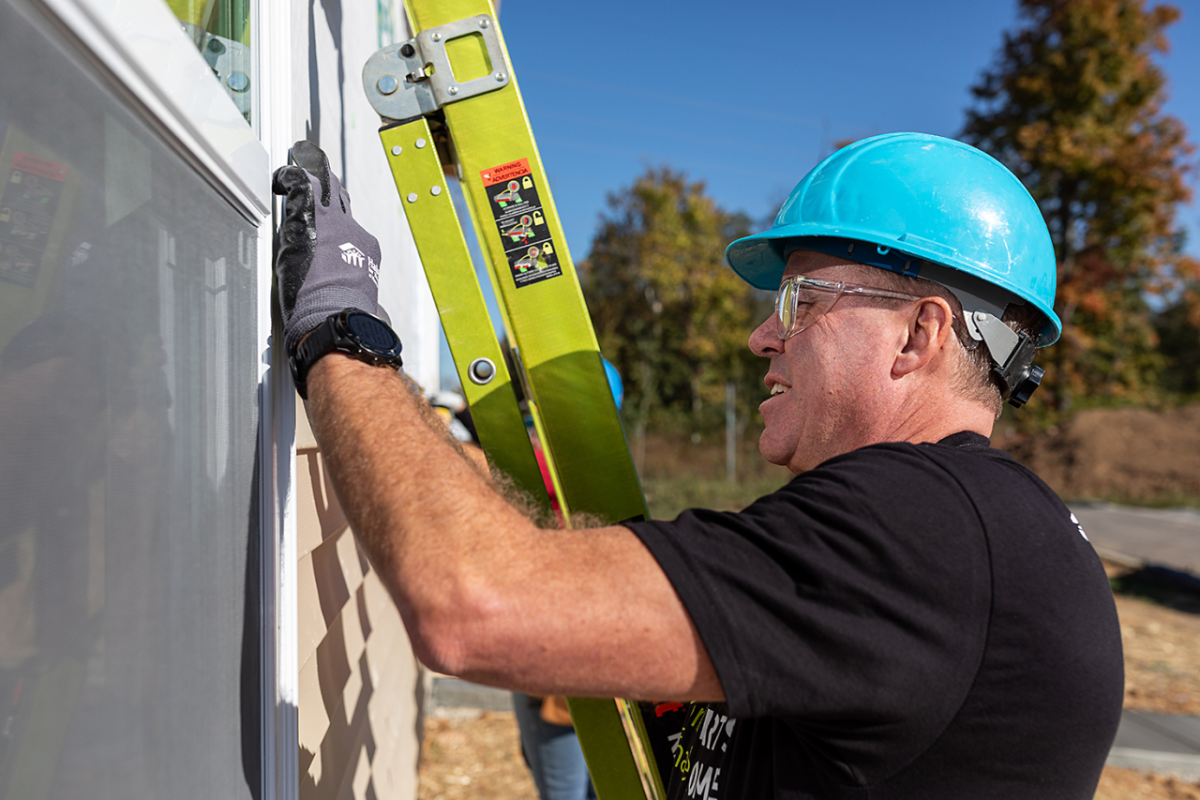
(802, 301)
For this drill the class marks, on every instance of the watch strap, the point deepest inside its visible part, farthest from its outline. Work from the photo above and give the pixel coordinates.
(330, 335)
(316, 344)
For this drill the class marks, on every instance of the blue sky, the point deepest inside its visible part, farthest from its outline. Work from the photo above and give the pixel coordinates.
(749, 96)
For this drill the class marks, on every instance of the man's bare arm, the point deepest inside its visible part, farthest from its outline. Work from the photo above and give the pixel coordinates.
(484, 593)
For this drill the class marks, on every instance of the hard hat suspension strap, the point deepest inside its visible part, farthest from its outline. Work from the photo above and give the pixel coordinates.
(1012, 355)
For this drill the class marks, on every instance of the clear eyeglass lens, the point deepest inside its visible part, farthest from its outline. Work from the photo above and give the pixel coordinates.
(799, 306)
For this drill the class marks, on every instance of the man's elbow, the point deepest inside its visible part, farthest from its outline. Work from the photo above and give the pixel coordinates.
(438, 651)
(456, 632)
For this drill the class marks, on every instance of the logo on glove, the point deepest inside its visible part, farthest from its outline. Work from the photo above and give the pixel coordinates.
(357, 258)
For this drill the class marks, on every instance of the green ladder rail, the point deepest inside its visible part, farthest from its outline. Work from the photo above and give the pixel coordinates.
(450, 104)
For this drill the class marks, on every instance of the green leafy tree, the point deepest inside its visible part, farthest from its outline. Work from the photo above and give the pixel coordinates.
(667, 310)
(1073, 105)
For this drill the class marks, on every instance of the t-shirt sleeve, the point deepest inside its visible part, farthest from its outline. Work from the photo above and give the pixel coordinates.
(858, 594)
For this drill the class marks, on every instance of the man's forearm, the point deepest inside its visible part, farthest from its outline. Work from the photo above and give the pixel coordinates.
(483, 592)
(414, 500)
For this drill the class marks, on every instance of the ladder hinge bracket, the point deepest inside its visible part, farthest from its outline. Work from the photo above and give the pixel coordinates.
(414, 78)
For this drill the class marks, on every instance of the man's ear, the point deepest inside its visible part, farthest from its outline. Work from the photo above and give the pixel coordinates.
(928, 328)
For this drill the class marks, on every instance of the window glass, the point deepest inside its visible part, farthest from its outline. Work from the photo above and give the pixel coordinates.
(129, 536)
(220, 29)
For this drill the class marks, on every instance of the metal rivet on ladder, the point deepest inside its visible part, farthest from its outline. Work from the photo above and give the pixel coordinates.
(453, 90)
(500, 76)
(397, 149)
(387, 84)
(481, 371)
(437, 37)
(420, 143)
(407, 50)
(435, 191)
(412, 197)
(483, 23)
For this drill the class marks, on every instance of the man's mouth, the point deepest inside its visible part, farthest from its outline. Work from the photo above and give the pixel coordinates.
(779, 388)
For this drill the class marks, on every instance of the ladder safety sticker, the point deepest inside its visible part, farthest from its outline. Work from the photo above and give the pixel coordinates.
(519, 217)
(29, 198)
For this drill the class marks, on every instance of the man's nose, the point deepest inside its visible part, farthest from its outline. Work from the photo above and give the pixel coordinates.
(764, 341)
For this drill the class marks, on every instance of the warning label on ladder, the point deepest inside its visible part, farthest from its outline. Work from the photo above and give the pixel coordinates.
(517, 210)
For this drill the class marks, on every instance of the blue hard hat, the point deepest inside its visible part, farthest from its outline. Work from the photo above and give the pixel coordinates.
(919, 205)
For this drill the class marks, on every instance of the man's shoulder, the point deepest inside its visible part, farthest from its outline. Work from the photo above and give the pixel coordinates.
(964, 444)
(908, 461)
(956, 480)
(887, 487)
(959, 455)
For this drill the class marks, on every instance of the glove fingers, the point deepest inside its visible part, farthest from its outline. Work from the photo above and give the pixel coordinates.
(296, 233)
(335, 187)
(297, 188)
(311, 158)
(285, 178)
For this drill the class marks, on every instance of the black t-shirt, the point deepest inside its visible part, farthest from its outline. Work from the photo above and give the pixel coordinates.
(904, 621)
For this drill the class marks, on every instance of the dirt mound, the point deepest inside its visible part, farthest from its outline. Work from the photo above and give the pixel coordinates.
(1118, 454)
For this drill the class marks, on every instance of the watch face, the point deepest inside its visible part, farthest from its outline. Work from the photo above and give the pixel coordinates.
(373, 333)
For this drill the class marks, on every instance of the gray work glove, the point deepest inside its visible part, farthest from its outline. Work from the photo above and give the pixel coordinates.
(326, 261)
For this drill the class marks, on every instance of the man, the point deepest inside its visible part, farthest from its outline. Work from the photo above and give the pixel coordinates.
(913, 616)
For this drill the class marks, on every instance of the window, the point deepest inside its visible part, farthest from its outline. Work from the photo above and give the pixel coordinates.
(130, 645)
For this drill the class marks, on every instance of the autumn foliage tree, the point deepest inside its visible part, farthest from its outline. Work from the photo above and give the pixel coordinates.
(667, 310)
(1074, 106)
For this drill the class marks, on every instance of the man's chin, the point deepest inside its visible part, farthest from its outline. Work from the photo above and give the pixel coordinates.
(773, 451)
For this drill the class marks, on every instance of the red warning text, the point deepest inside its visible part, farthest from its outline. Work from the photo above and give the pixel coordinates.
(505, 172)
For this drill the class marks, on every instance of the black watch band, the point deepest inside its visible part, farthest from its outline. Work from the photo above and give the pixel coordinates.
(353, 332)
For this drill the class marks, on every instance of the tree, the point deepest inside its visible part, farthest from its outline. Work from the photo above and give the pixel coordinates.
(1073, 105)
(1178, 328)
(667, 310)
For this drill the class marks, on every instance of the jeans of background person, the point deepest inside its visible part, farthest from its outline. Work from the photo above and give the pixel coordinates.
(552, 753)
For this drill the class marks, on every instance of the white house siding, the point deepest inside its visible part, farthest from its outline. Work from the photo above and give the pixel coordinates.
(331, 110)
(360, 688)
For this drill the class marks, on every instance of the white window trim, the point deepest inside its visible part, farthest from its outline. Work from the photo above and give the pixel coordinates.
(281, 734)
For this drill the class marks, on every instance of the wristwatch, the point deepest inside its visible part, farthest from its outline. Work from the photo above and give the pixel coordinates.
(353, 332)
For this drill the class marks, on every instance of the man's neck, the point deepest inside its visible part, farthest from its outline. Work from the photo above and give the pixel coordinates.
(932, 421)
